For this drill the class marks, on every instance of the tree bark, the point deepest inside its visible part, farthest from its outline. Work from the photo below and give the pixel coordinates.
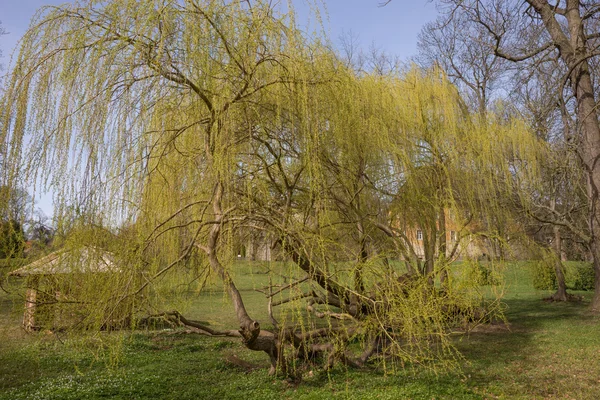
(561, 291)
(443, 247)
(249, 328)
(429, 246)
(573, 51)
(359, 284)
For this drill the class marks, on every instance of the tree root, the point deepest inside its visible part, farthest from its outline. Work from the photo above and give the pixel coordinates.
(270, 343)
(558, 298)
(234, 360)
(176, 319)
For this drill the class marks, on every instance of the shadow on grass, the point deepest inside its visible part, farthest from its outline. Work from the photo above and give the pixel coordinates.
(518, 358)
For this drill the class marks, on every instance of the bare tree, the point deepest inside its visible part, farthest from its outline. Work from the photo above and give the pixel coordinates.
(530, 34)
(566, 32)
(563, 186)
(461, 49)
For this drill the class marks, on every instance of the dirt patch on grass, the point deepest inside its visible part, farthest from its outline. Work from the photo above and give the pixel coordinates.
(493, 327)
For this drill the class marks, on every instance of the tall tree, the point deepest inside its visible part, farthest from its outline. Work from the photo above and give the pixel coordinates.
(556, 208)
(570, 28)
(193, 123)
(529, 34)
(462, 50)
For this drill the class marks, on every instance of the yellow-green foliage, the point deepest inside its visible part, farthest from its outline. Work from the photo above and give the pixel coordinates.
(579, 275)
(544, 276)
(168, 121)
(482, 273)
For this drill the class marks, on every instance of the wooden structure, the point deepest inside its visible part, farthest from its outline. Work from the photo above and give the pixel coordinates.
(43, 275)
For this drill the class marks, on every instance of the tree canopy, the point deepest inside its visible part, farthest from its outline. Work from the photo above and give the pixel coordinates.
(190, 126)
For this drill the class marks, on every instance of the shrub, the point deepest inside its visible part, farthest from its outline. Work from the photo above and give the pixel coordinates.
(12, 239)
(482, 274)
(544, 277)
(579, 275)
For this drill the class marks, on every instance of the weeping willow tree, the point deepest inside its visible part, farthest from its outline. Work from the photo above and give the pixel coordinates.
(190, 125)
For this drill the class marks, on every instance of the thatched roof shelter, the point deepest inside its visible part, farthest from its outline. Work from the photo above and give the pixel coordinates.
(87, 260)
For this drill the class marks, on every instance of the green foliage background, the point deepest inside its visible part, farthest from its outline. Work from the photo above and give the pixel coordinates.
(578, 275)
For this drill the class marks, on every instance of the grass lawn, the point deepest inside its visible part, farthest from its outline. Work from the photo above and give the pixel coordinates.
(549, 350)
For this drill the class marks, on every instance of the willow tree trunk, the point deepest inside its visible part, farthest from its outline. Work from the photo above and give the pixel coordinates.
(249, 328)
(443, 247)
(429, 250)
(363, 255)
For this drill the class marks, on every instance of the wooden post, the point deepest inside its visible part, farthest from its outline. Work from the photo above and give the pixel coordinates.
(30, 303)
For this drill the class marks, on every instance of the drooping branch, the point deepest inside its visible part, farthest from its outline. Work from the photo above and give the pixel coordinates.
(177, 318)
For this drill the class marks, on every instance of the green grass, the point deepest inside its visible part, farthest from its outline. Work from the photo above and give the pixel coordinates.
(189, 367)
(548, 350)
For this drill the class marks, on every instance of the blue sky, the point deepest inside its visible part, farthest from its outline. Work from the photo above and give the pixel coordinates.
(393, 28)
